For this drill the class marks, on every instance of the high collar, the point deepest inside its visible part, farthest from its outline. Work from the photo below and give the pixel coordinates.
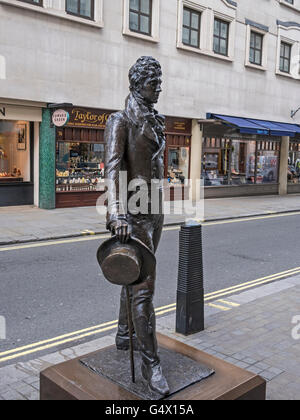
(139, 112)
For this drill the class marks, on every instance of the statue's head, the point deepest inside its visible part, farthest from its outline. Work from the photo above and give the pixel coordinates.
(145, 78)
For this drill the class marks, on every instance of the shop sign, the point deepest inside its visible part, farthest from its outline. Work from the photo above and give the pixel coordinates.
(60, 118)
(3, 111)
(179, 126)
(88, 118)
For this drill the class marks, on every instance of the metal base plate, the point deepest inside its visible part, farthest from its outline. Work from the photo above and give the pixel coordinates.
(179, 370)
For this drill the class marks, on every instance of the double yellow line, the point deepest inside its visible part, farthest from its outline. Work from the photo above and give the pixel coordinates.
(68, 338)
(109, 326)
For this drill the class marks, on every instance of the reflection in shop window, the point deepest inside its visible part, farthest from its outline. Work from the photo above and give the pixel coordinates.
(294, 164)
(267, 163)
(14, 151)
(178, 165)
(79, 166)
(239, 162)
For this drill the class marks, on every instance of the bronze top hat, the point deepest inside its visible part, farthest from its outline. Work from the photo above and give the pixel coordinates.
(123, 264)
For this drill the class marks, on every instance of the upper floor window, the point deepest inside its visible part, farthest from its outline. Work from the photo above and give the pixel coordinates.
(140, 16)
(37, 2)
(256, 48)
(290, 1)
(221, 36)
(191, 27)
(285, 57)
(80, 8)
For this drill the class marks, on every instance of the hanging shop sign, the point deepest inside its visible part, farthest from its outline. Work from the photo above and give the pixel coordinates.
(60, 118)
(88, 118)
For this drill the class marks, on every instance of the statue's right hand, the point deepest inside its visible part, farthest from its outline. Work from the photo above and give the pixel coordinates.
(120, 228)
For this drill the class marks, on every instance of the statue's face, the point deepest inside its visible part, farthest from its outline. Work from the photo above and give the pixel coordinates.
(151, 88)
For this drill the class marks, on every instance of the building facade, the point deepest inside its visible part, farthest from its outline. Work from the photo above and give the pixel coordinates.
(221, 59)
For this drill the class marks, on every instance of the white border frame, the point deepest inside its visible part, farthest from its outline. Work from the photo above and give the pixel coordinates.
(56, 8)
(231, 36)
(155, 21)
(198, 8)
(264, 63)
(294, 73)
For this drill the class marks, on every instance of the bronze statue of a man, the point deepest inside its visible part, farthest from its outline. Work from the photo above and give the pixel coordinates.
(135, 143)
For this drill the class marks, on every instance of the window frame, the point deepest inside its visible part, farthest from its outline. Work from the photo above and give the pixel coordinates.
(261, 50)
(190, 28)
(139, 13)
(155, 23)
(92, 17)
(290, 46)
(220, 20)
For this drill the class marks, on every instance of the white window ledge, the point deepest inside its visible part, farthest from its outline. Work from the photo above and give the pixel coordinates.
(53, 12)
(256, 67)
(181, 46)
(149, 38)
(288, 75)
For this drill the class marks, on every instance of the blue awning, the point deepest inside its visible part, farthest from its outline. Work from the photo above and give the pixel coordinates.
(260, 127)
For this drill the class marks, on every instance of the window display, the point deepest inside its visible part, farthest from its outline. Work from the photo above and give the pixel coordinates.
(79, 166)
(294, 164)
(178, 165)
(267, 167)
(239, 162)
(14, 151)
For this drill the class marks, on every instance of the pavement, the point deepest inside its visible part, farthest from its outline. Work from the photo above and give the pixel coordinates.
(255, 330)
(28, 223)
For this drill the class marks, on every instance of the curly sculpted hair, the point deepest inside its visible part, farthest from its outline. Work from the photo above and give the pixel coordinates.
(144, 68)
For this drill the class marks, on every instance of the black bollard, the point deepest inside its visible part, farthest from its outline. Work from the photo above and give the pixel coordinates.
(190, 291)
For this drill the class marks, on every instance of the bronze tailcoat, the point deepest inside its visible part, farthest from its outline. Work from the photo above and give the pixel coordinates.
(135, 143)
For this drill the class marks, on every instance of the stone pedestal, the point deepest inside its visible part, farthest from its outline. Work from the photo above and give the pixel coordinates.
(72, 380)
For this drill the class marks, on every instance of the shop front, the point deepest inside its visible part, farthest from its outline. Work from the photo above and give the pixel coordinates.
(80, 157)
(241, 156)
(18, 133)
(251, 165)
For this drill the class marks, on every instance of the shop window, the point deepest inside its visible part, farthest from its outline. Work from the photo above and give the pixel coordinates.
(191, 28)
(221, 36)
(267, 162)
(81, 8)
(178, 165)
(294, 164)
(79, 166)
(238, 162)
(14, 151)
(140, 16)
(36, 2)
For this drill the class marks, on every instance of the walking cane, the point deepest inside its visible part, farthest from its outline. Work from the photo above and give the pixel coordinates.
(130, 326)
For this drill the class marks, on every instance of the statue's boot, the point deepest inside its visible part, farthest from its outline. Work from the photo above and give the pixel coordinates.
(145, 327)
(155, 378)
